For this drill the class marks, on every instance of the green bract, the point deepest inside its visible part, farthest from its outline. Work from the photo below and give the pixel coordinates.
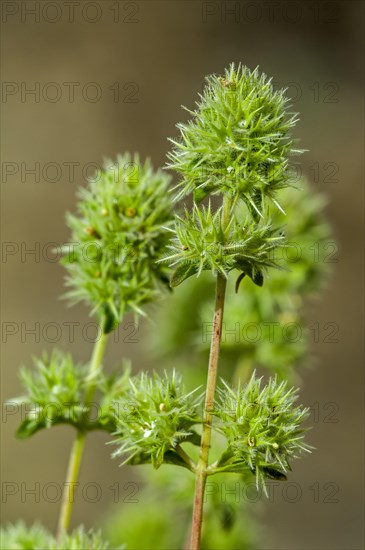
(153, 418)
(201, 243)
(54, 392)
(55, 395)
(117, 236)
(263, 428)
(238, 141)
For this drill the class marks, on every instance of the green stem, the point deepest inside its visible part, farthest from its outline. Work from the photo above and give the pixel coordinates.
(79, 443)
(186, 458)
(202, 467)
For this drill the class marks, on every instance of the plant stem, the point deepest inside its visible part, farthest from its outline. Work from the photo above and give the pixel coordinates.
(70, 484)
(202, 467)
(201, 470)
(186, 458)
(79, 443)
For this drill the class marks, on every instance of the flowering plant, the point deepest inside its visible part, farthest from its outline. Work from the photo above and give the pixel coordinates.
(129, 243)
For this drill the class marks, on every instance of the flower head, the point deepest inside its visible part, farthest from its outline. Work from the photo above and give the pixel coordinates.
(238, 140)
(154, 416)
(117, 236)
(54, 394)
(263, 428)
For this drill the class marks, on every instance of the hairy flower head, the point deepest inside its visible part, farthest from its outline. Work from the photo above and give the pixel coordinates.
(238, 140)
(153, 417)
(263, 427)
(117, 236)
(54, 394)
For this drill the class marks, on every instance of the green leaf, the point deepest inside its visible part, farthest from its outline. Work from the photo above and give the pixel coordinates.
(140, 458)
(273, 473)
(110, 323)
(28, 428)
(258, 278)
(194, 438)
(182, 272)
(225, 458)
(173, 458)
(238, 282)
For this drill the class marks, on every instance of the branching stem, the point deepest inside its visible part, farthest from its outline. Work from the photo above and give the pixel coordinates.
(202, 467)
(186, 458)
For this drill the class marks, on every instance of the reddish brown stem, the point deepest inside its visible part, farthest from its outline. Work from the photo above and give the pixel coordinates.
(201, 470)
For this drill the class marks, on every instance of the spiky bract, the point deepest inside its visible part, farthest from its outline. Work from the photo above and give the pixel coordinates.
(153, 418)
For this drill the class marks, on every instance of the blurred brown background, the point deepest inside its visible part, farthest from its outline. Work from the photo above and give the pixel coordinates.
(110, 76)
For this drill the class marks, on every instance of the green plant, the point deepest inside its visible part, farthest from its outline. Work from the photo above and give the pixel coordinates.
(236, 146)
(117, 237)
(130, 241)
(184, 340)
(20, 537)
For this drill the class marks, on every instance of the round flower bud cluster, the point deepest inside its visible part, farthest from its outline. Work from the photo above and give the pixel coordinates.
(263, 428)
(118, 234)
(153, 418)
(238, 141)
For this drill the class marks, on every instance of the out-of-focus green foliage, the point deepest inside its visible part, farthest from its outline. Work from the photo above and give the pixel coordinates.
(36, 537)
(21, 537)
(164, 503)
